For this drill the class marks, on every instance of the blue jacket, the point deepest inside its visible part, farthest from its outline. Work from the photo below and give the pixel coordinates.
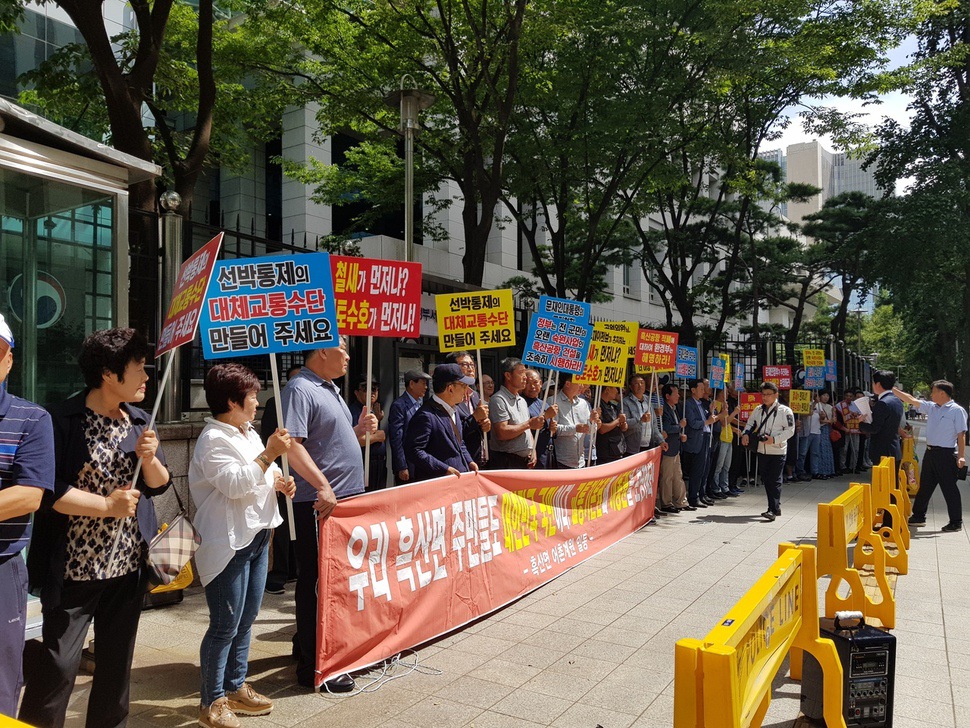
(671, 425)
(398, 416)
(883, 431)
(697, 439)
(432, 445)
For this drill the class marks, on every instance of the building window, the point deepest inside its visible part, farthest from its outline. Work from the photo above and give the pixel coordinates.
(56, 244)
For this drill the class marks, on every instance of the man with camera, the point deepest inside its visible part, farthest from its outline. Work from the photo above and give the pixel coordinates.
(769, 428)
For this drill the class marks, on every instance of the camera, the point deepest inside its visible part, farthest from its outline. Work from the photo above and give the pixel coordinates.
(763, 438)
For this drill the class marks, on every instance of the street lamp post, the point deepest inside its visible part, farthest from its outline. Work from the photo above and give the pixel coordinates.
(411, 101)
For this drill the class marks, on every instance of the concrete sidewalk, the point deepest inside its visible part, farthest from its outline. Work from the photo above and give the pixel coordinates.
(592, 648)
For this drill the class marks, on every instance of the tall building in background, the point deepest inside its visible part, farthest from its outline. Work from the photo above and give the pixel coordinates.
(833, 172)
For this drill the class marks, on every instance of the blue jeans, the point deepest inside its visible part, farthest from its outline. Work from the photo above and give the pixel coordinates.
(722, 467)
(234, 598)
(807, 455)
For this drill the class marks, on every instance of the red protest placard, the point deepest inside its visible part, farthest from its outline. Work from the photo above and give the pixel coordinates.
(749, 401)
(188, 297)
(780, 375)
(377, 297)
(656, 351)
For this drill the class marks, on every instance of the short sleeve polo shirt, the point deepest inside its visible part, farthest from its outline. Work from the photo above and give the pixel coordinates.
(314, 410)
(26, 458)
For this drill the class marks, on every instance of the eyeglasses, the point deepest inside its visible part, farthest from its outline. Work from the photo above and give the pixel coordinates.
(466, 364)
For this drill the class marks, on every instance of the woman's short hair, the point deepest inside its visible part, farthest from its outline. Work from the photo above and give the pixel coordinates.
(227, 383)
(110, 350)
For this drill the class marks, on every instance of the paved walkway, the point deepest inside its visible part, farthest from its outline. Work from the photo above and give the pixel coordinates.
(594, 647)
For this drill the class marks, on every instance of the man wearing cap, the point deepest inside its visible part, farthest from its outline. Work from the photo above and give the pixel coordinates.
(433, 440)
(399, 415)
(26, 471)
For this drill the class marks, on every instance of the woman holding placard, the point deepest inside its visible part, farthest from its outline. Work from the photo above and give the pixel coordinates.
(233, 481)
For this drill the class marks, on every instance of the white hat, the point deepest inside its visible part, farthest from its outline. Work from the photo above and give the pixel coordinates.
(5, 333)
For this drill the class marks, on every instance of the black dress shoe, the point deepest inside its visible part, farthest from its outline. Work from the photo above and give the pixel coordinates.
(688, 508)
(707, 501)
(699, 504)
(658, 512)
(340, 684)
(769, 515)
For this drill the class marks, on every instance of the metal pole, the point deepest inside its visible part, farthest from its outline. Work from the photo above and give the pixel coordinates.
(172, 252)
(408, 190)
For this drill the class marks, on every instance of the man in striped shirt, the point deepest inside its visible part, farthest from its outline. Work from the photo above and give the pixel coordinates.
(26, 471)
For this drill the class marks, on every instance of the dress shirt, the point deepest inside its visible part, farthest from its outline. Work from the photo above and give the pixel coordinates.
(570, 444)
(234, 498)
(452, 412)
(944, 423)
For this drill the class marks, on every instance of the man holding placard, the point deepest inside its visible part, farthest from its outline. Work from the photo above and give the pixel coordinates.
(473, 412)
(511, 444)
(327, 465)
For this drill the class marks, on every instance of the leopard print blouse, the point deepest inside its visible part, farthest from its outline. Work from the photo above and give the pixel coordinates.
(90, 541)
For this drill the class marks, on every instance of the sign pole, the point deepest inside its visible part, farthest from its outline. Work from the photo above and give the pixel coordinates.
(481, 394)
(274, 372)
(367, 408)
(597, 399)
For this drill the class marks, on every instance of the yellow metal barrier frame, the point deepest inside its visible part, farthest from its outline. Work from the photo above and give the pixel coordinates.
(886, 497)
(846, 519)
(725, 680)
(909, 461)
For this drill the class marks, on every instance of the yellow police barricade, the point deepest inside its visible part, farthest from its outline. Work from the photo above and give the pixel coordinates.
(886, 497)
(909, 468)
(846, 519)
(724, 680)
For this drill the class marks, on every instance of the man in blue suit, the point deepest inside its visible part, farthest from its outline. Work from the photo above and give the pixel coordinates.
(694, 453)
(399, 415)
(887, 418)
(433, 441)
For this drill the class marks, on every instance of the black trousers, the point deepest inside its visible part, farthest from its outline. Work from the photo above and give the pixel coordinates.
(771, 468)
(939, 468)
(284, 556)
(695, 467)
(307, 570)
(506, 461)
(13, 621)
(115, 607)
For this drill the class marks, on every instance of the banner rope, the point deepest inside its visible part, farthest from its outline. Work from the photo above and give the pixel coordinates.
(384, 676)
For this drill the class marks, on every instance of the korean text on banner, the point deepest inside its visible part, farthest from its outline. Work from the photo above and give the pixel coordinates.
(608, 354)
(559, 335)
(831, 371)
(718, 366)
(739, 375)
(408, 564)
(269, 305)
(188, 297)
(814, 378)
(377, 297)
(800, 401)
(475, 320)
(656, 351)
(749, 402)
(813, 357)
(687, 362)
(780, 375)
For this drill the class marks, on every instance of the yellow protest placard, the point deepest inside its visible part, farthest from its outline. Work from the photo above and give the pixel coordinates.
(608, 353)
(475, 320)
(800, 401)
(813, 357)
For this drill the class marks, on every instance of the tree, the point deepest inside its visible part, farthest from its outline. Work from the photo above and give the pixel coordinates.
(349, 55)
(710, 212)
(845, 231)
(167, 63)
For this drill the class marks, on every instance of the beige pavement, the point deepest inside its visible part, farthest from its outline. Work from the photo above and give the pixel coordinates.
(592, 648)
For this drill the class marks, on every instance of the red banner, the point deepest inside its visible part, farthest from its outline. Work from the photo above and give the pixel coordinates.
(405, 565)
(188, 297)
(377, 297)
(749, 401)
(656, 351)
(780, 375)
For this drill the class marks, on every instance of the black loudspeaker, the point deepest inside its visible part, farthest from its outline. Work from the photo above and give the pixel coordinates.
(868, 657)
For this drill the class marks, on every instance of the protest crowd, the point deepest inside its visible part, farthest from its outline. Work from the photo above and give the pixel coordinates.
(89, 468)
